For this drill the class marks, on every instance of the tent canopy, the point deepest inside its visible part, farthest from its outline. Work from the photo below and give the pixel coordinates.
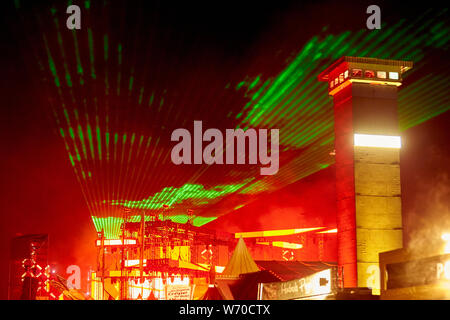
(241, 261)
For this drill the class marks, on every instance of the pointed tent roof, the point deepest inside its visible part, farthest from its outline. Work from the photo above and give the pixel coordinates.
(241, 261)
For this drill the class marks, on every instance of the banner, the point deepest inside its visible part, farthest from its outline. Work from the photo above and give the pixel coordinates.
(178, 292)
(319, 283)
(426, 271)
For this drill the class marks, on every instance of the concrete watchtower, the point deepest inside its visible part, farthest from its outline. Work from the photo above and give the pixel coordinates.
(367, 144)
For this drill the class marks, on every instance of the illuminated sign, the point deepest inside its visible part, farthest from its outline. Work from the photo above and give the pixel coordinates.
(318, 284)
(418, 272)
(443, 270)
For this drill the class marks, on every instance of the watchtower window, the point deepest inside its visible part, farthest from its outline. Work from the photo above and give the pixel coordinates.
(381, 74)
(356, 73)
(393, 75)
(369, 74)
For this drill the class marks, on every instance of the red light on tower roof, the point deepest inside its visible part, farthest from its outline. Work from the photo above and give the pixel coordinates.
(363, 70)
(402, 66)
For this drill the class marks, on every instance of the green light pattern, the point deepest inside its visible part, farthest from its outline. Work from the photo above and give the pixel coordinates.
(116, 161)
(297, 104)
(423, 100)
(111, 225)
(172, 196)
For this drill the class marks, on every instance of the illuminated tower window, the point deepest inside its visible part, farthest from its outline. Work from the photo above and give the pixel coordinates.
(393, 75)
(336, 81)
(379, 141)
(346, 74)
(381, 74)
(331, 84)
(369, 74)
(356, 73)
(341, 78)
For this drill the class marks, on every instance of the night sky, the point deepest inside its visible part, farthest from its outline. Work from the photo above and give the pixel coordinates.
(197, 51)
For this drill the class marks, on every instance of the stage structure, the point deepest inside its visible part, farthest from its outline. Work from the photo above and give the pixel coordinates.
(29, 272)
(158, 259)
(367, 147)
